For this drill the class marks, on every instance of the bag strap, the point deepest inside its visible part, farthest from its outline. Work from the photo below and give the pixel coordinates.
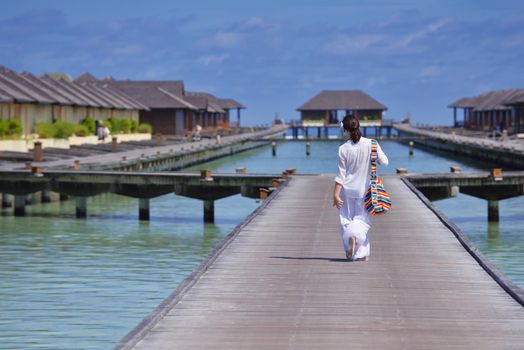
(373, 160)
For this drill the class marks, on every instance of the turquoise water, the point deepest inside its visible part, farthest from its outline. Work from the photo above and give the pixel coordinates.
(83, 284)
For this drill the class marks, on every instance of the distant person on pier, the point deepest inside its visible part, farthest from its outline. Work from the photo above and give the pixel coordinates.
(351, 185)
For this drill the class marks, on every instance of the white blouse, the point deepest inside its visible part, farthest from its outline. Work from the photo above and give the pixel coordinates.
(354, 166)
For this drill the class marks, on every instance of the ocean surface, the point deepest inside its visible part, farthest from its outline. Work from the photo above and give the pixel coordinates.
(67, 283)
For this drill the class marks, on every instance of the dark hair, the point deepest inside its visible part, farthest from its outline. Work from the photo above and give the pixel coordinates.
(352, 126)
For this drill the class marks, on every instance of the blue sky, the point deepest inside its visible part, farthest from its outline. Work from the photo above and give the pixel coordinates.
(413, 56)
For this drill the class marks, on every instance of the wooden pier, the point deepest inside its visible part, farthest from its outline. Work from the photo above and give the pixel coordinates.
(509, 154)
(281, 281)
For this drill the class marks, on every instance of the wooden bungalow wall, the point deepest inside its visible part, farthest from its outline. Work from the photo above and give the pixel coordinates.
(31, 114)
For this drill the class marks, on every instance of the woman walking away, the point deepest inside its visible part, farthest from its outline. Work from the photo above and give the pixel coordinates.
(351, 185)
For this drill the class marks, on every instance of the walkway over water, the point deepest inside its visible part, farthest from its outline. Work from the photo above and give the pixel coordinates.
(282, 281)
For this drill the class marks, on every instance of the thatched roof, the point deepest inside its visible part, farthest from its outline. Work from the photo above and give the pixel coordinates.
(212, 102)
(229, 103)
(328, 100)
(154, 94)
(52, 89)
(491, 100)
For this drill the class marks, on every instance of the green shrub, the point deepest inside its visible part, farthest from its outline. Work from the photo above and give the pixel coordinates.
(145, 128)
(119, 126)
(45, 130)
(4, 127)
(134, 125)
(58, 130)
(81, 130)
(90, 124)
(63, 129)
(10, 128)
(125, 125)
(114, 125)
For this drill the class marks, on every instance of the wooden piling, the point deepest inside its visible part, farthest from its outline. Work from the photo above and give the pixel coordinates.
(209, 211)
(81, 207)
(38, 152)
(20, 205)
(114, 144)
(493, 210)
(143, 209)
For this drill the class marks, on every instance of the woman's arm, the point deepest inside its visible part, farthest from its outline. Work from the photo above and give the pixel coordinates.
(382, 158)
(339, 180)
(337, 202)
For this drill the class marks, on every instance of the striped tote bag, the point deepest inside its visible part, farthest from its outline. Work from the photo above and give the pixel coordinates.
(377, 199)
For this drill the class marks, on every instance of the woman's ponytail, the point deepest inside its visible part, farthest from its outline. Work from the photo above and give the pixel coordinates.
(352, 127)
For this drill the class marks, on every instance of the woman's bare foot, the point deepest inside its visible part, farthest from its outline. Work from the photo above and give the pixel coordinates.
(351, 247)
(363, 259)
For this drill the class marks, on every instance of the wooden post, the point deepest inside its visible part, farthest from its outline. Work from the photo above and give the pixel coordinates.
(264, 193)
(76, 165)
(20, 204)
(276, 183)
(158, 138)
(496, 174)
(209, 211)
(114, 144)
(493, 210)
(7, 200)
(38, 152)
(205, 174)
(143, 209)
(81, 207)
(454, 189)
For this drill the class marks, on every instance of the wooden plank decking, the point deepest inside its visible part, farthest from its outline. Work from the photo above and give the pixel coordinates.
(283, 283)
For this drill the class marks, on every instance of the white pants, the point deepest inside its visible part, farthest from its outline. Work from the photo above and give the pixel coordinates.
(355, 221)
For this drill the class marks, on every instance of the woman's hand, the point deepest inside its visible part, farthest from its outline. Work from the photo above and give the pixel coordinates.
(337, 202)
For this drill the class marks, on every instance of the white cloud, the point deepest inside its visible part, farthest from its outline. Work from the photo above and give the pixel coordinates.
(343, 45)
(226, 39)
(423, 33)
(212, 59)
(430, 71)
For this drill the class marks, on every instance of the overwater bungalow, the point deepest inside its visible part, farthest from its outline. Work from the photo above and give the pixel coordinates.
(172, 109)
(33, 99)
(500, 109)
(323, 109)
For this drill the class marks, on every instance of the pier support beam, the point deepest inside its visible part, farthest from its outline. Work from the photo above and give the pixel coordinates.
(81, 207)
(209, 211)
(7, 200)
(143, 209)
(46, 196)
(493, 210)
(20, 205)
